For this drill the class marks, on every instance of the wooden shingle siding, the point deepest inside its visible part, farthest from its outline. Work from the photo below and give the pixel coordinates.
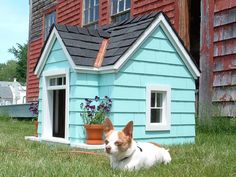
(38, 9)
(34, 50)
(70, 12)
(104, 12)
(224, 74)
(141, 7)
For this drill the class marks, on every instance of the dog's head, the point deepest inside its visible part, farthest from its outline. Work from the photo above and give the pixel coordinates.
(117, 142)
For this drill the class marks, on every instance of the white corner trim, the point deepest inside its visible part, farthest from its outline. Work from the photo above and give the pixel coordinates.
(165, 125)
(44, 56)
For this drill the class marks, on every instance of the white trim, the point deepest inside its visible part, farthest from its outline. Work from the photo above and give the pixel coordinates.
(166, 110)
(47, 103)
(87, 146)
(43, 59)
(55, 140)
(159, 21)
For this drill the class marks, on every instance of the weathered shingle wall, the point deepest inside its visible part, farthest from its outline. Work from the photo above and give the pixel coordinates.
(224, 56)
(38, 9)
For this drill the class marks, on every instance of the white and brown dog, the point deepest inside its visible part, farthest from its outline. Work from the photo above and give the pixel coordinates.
(127, 154)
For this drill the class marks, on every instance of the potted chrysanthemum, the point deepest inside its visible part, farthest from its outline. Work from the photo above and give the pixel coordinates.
(94, 113)
(34, 110)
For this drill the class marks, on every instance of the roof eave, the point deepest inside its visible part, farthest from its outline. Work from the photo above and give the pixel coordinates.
(46, 51)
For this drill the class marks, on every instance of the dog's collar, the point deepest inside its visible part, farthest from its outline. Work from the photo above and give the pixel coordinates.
(125, 158)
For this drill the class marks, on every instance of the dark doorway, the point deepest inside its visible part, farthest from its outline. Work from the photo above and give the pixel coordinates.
(59, 98)
(194, 21)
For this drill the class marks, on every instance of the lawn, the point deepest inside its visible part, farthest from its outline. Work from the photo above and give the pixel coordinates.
(214, 154)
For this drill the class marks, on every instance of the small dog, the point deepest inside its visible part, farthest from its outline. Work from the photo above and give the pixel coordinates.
(127, 154)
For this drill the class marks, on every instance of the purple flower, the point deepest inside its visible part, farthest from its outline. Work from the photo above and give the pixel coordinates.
(96, 98)
(95, 113)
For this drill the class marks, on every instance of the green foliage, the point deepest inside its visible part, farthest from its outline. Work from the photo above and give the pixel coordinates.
(8, 71)
(20, 53)
(212, 155)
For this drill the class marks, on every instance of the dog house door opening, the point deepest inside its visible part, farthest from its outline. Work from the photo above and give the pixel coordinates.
(59, 98)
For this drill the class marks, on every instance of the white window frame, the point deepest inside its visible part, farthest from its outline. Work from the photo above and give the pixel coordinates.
(94, 20)
(118, 4)
(166, 108)
(47, 116)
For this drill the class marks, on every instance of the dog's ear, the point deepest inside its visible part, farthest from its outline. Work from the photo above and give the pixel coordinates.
(107, 126)
(128, 130)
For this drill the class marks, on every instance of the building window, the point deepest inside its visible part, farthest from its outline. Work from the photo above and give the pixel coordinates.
(158, 101)
(120, 10)
(49, 20)
(91, 11)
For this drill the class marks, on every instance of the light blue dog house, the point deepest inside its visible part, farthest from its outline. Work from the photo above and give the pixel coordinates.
(140, 63)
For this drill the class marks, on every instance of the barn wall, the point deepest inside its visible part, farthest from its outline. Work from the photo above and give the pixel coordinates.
(224, 57)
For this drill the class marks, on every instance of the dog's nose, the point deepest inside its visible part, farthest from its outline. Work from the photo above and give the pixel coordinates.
(108, 149)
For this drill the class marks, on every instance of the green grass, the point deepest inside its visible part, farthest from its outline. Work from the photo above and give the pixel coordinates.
(214, 154)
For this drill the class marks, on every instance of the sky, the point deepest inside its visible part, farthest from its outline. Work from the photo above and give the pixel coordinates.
(14, 25)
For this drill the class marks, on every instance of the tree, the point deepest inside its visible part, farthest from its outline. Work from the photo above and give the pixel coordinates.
(20, 53)
(8, 71)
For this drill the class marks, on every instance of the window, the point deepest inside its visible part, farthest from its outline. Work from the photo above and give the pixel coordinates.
(59, 82)
(49, 20)
(120, 10)
(158, 107)
(91, 11)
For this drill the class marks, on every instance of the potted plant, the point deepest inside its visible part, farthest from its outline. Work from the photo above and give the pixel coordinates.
(94, 113)
(34, 110)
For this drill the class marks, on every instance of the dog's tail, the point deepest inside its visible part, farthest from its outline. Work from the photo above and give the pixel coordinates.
(166, 156)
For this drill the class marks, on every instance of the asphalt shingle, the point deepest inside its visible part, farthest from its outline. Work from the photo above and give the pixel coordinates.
(83, 44)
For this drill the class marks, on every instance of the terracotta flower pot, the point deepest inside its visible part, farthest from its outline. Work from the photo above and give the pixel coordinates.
(36, 128)
(94, 134)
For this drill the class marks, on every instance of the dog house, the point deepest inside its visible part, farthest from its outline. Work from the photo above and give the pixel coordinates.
(140, 63)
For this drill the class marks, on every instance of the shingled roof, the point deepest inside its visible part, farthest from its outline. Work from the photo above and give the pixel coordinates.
(83, 44)
(107, 48)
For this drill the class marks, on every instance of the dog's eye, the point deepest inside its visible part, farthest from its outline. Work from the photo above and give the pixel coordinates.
(106, 141)
(118, 143)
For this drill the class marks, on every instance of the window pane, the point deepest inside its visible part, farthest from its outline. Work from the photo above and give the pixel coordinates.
(59, 81)
(97, 1)
(114, 7)
(91, 3)
(159, 99)
(152, 99)
(156, 115)
(52, 82)
(50, 19)
(121, 5)
(86, 4)
(64, 83)
(85, 16)
(91, 15)
(96, 13)
(127, 4)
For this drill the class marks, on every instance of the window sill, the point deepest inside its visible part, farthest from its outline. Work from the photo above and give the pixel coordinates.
(158, 127)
